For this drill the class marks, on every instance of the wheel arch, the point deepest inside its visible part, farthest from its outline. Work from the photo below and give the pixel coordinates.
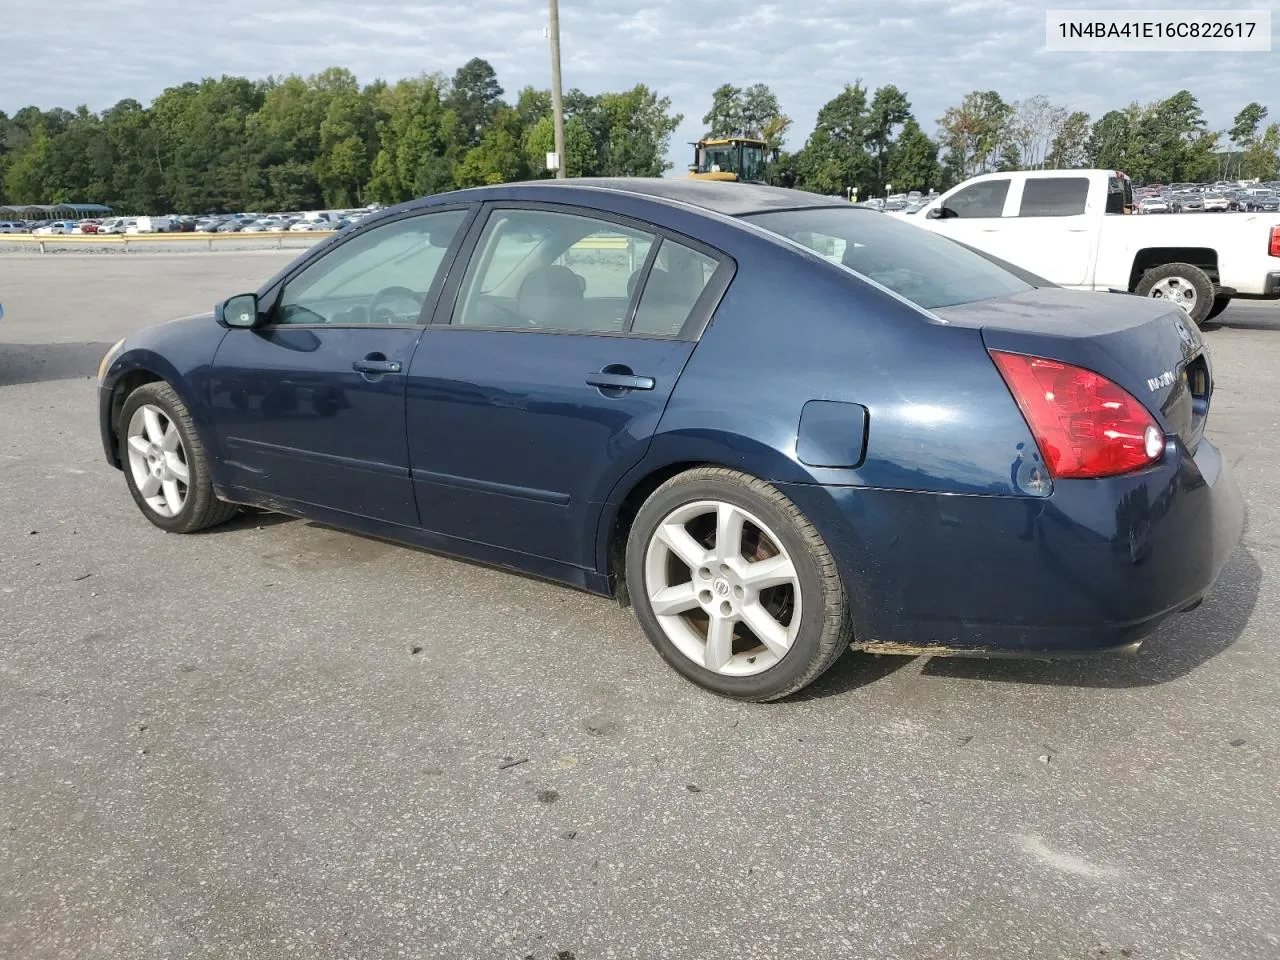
(617, 516)
(1206, 258)
(670, 456)
(123, 386)
(140, 368)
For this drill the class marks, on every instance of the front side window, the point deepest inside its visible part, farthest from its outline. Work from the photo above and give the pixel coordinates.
(722, 158)
(1054, 197)
(927, 269)
(543, 270)
(984, 199)
(380, 277)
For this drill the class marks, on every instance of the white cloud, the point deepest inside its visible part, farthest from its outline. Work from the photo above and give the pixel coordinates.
(68, 52)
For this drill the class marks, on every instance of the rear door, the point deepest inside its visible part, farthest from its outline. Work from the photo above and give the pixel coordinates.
(1053, 231)
(546, 373)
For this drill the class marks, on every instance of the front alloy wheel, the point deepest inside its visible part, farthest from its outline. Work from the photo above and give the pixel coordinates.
(165, 465)
(158, 460)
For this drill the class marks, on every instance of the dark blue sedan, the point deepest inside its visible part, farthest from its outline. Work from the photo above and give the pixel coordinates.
(773, 423)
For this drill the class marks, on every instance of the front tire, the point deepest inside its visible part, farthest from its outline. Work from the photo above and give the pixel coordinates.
(165, 465)
(1183, 284)
(734, 587)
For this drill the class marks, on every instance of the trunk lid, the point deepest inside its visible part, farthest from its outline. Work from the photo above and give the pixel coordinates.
(1149, 348)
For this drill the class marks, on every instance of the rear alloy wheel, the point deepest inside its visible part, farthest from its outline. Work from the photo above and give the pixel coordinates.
(165, 466)
(1183, 284)
(734, 587)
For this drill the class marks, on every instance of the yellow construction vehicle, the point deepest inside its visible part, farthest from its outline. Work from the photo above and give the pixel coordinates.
(728, 158)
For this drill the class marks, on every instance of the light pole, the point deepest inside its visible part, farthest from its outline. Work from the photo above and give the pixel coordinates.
(557, 102)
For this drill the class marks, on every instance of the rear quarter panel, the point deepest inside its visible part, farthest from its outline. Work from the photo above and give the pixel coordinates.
(1240, 242)
(793, 328)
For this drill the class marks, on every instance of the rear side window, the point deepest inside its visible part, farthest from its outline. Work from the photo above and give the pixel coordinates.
(985, 199)
(545, 270)
(928, 269)
(1054, 197)
(672, 288)
(1119, 194)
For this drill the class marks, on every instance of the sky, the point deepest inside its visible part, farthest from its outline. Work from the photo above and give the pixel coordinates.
(96, 52)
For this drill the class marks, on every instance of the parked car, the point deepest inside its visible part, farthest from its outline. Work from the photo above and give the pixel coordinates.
(1068, 226)
(316, 221)
(1153, 205)
(114, 226)
(937, 453)
(154, 225)
(1216, 202)
(57, 227)
(13, 226)
(1261, 201)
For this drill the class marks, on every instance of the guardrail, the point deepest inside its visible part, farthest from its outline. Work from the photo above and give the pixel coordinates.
(279, 236)
(125, 239)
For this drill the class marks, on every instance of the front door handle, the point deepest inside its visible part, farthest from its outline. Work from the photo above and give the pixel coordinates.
(376, 366)
(620, 381)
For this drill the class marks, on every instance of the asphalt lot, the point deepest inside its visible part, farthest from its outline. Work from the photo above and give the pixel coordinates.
(278, 740)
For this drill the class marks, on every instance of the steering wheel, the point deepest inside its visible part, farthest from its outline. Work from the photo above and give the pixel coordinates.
(389, 293)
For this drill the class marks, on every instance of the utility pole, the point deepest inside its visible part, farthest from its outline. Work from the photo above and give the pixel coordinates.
(557, 102)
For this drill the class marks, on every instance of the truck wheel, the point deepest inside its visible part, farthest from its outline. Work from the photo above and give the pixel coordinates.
(1219, 304)
(1182, 283)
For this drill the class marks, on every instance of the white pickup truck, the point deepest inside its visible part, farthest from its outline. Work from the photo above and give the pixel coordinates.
(1075, 228)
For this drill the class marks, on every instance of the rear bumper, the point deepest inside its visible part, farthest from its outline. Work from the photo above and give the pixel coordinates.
(1270, 288)
(1096, 566)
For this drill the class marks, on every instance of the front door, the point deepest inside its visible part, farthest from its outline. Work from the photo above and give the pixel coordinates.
(975, 215)
(310, 406)
(548, 380)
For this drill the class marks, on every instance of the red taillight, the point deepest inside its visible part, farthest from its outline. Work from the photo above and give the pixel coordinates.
(1274, 249)
(1084, 424)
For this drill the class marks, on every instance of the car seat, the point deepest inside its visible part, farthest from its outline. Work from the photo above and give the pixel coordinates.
(551, 297)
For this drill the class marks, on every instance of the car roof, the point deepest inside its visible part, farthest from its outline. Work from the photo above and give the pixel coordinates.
(729, 198)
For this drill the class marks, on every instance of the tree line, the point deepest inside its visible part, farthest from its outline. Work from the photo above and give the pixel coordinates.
(296, 143)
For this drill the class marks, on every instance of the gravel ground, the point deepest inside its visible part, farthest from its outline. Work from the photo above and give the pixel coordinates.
(280, 740)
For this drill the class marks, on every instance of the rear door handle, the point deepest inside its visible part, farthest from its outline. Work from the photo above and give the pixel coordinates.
(620, 381)
(376, 366)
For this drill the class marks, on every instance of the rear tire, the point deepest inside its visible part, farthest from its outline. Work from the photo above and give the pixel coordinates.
(165, 465)
(1183, 284)
(734, 587)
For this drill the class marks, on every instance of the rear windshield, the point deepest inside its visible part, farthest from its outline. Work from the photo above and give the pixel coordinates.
(929, 270)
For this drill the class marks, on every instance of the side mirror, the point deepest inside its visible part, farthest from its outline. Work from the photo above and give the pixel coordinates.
(940, 213)
(238, 311)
